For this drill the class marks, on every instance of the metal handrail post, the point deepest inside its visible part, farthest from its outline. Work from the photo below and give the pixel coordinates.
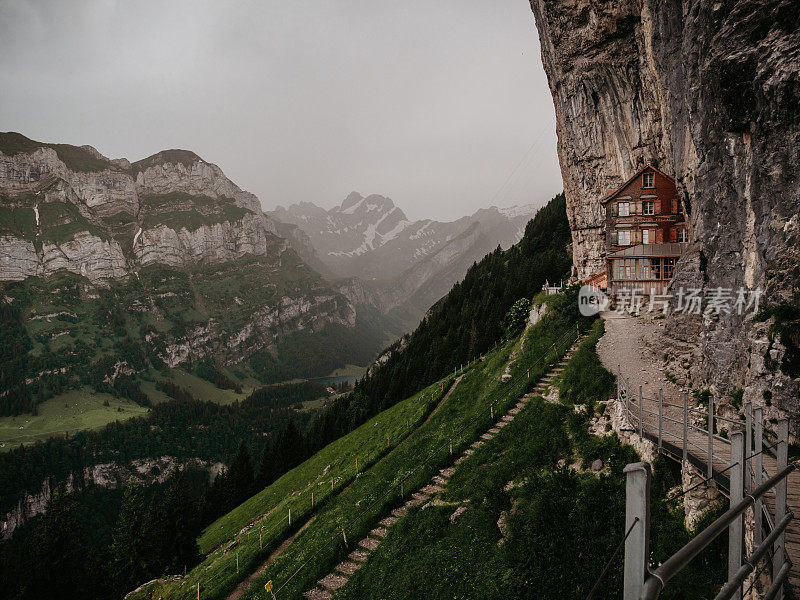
(685, 426)
(758, 474)
(675, 563)
(710, 437)
(736, 527)
(637, 546)
(641, 415)
(660, 416)
(782, 451)
(748, 445)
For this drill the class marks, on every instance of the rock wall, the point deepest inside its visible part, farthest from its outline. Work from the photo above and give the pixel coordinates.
(107, 475)
(190, 247)
(109, 200)
(708, 91)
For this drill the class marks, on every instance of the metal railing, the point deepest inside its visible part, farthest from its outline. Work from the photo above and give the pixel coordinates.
(747, 486)
(635, 412)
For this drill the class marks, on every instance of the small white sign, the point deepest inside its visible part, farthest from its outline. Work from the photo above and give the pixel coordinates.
(591, 301)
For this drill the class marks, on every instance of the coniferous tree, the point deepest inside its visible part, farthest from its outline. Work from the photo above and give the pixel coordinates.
(59, 554)
(240, 477)
(172, 529)
(129, 550)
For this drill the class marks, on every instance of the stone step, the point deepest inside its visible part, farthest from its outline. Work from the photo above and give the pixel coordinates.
(432, 489)
(332, 581)
(447, 473)
(388, 521)
(416, 499)
(494, 430)
(508, 418)
(502, 424)
(459, 460)
(477, 444)
(369, 543)
(348, 567)
(468, 452)
(439, 480)
(378, 532)
(318, 594)
(514, 410)
(487, 436)
(399, 512)
(358, 556)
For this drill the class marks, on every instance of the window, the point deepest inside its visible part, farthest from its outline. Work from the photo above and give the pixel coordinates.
(682, 237)
(648, 207)
(649, 180)
(669, 267)
(624, 237)
(624, 209)
(645, 236)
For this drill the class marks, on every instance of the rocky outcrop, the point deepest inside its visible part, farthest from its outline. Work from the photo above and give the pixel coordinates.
(106, 475)
(218, 242)
(185, 244)
(707, 90)
(101, 202)
(183, 171)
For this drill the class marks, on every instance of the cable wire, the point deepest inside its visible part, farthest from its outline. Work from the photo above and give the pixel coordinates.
(424, 462)
(611, 559)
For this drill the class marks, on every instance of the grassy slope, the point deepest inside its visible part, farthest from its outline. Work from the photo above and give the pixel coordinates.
(465, 408)
(269, 508)
(73, 411)
(562, 525)
(80, 410)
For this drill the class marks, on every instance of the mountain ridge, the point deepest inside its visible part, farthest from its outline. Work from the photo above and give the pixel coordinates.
(185, 263)
(407, 264)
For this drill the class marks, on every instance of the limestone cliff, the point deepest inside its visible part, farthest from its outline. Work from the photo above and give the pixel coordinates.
(708, 91)
(169, 245)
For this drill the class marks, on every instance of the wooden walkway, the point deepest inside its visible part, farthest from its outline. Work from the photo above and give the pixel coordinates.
(672, 433)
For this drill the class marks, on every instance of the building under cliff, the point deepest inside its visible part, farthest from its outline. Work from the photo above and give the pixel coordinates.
(645, 232)
(707, 91)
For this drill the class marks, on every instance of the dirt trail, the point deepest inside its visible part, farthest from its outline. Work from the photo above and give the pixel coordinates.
(443, 400)
(626, 343)
(245, 585)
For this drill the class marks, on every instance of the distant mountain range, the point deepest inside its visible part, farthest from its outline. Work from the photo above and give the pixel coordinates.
(112, 270)
(405, 265)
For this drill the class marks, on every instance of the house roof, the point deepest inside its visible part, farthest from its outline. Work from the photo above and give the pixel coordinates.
(613, 193)
(650, 251)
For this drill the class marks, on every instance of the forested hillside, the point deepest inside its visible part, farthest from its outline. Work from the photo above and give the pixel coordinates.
(262, 437)
(470, 319)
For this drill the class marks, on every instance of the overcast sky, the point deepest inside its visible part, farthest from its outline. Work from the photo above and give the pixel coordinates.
(442, 105)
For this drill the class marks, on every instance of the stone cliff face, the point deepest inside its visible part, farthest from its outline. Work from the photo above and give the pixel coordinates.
(111, 207)
(197, 265)
(708, 91)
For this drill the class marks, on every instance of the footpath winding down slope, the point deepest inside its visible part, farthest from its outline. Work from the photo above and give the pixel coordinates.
(344, 570)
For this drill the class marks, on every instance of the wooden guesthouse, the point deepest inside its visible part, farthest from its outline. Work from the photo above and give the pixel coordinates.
(645, 232)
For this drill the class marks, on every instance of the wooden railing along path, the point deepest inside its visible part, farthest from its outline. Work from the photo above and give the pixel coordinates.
(686, 433)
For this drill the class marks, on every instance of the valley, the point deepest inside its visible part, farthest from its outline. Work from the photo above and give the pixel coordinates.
(400, 266)
(301, 393)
